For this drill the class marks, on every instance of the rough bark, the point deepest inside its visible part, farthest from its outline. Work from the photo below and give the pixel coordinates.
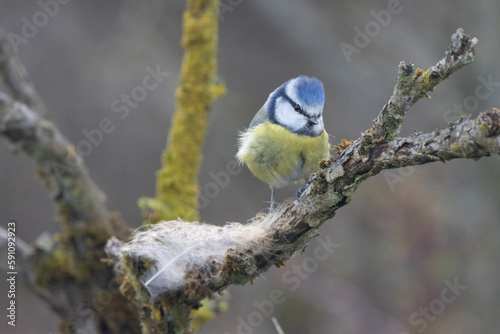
(294, 224)
(177, 180)
(65, 270)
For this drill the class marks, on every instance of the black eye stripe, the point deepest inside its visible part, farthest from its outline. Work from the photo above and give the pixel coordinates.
(295, 106)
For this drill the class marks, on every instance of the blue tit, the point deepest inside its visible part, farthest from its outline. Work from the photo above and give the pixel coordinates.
(286, 139)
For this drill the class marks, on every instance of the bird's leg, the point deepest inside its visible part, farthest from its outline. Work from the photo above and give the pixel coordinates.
(271, 208)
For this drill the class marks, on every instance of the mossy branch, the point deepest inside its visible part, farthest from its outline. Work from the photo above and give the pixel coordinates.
(65, 270)
(272, 239)
(414, 84)
(177, 181)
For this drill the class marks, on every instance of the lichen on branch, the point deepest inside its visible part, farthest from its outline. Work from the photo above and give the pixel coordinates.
(64, 269)
(414, 84)
(177, 180)
(272, 239)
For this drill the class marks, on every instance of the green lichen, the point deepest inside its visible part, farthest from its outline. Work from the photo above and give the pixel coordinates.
(62, 266)
(177, 180)
(208, 310)
(58, 269)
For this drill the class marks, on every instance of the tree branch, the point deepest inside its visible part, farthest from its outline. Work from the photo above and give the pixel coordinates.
(412, 85)
(61, 169)
(466, 138)
(177, 181)
(22, 249)
(182, 263)
(16, 78)
(24, 257)
(67, 271)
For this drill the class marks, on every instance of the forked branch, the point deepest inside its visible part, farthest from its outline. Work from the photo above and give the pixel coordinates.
(175, 264)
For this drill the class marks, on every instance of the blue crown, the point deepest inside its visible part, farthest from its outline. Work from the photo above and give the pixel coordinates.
(310, 91)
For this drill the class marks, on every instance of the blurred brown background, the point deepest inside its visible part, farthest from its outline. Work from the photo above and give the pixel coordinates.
(405, 238)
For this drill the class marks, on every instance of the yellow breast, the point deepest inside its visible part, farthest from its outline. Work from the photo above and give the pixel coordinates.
(277, 156)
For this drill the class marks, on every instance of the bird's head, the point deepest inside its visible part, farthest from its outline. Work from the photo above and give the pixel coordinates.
(298, 106)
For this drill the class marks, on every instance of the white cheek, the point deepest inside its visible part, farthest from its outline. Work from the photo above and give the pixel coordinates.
(318, 128)
(285, 115)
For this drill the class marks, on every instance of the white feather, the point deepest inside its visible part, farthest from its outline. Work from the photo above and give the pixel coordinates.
(175, 247)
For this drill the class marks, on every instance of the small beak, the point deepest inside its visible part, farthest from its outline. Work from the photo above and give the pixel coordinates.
(313, 120)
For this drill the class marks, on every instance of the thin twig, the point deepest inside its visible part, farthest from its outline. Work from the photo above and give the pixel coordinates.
(61, 169)
(277, 325)
(22, 249)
